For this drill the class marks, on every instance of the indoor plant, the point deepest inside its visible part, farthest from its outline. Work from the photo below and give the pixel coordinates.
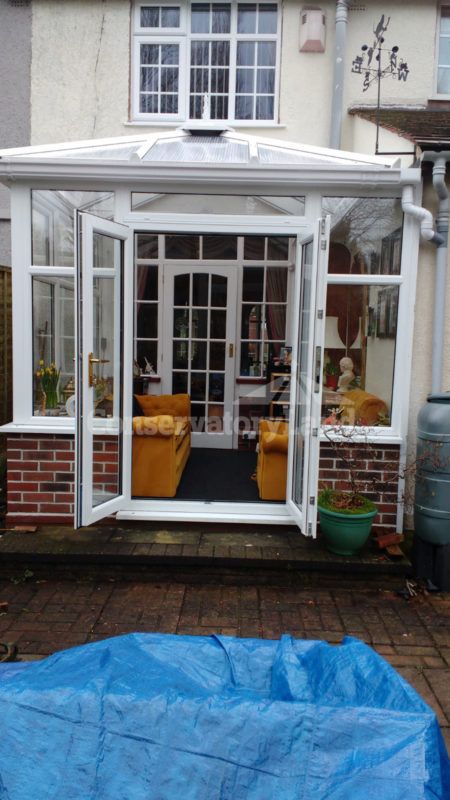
(49, 377)
(331, 375)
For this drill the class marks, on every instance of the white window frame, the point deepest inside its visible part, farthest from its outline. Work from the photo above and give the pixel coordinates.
(183, 37)
(437, 93)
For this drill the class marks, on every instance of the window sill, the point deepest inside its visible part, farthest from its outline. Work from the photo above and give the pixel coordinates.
(367, 436)
(153, 123)
(45, 425)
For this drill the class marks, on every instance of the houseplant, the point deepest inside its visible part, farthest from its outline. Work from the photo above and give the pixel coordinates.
(49, 377)
(331, 376)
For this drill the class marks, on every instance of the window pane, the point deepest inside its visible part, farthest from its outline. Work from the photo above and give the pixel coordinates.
(200, 289)
(443, 81)
(218, 291)
(216, 387)
(265, 83)
(276, 321)
(219, 107)
(278, 248)
(147, 320)
(149, 79)
(219, 204)
(146, 352)
(200, 18)
(170, 17)
(180, 355)
(149, 53)
(199, 325)
(244, 107)
(147, 244)
(247, 18)
(150, 16)
(251, 359)
(198, 385)
(220, 53)
(215, 247)
(180, 320)
(360, 338)
(179, 246)
(181, 290)
(179, 382)
(264, 107)
(254, 247)
(199, 53)
(251, 321)
(198, 355)
(169, 53)
(221, 17)
(444, 51)
(266, 54)
(146, 283)
(217, 355)
(366, 235)
(276, 285)
(246, 54)
(149, 103)
(169, 79)
(53, 345)
(169, 104)
(253, 284)
(267, 19)
(53, 218)
(445, 19)
(218, 324)
(245, 80)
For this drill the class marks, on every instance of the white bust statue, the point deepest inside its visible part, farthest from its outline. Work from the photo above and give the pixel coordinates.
(347, 374)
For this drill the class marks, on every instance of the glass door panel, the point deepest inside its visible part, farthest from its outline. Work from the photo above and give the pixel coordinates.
(201, 362)
(100, 375)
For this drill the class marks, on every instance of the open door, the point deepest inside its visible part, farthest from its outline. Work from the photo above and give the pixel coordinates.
(306, 380)
(103, 449)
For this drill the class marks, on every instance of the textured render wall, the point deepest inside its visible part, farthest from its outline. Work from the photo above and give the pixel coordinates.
(15, 64)
(81, 55)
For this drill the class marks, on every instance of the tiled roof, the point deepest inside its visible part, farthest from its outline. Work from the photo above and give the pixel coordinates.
(424, 126)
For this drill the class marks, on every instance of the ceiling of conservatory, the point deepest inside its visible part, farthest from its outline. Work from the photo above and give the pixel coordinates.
(195, 147)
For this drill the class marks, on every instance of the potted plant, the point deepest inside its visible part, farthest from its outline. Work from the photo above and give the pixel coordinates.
(331, 376)
(346, 514)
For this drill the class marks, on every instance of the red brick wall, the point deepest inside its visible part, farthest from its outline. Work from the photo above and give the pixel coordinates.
(378, 463)
(41, 475)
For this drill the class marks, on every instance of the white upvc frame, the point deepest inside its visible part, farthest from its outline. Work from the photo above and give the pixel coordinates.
(436, 93)
(183, 37)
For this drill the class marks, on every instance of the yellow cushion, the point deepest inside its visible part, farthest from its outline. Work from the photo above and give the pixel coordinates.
(161, 425)
(178, 405)
(274, 442)
(363, 407)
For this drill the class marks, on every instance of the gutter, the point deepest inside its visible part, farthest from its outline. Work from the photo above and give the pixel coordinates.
(337, 102)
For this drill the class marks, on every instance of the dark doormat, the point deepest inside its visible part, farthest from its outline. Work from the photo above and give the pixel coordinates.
(219, 475)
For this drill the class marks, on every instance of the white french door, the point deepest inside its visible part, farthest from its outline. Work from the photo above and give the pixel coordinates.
(306, 378)
(199, 347)
(102, 344)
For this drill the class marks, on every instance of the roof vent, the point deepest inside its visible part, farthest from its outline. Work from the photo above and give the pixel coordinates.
(206, 128)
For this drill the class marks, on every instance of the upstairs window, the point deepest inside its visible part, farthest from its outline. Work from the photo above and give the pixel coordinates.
(443, 70)
(207, 61)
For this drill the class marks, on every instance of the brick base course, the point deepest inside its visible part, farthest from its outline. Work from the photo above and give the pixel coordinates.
(41, 475)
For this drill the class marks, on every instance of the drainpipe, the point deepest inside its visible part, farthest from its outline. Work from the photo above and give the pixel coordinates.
(338, 75)
(439, 168)
(424, 216)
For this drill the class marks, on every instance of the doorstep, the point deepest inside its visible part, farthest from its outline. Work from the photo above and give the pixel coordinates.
(192, 553)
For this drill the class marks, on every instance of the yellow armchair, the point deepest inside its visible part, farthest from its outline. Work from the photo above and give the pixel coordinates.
(161, 444)
(362, 408)
(271, 468)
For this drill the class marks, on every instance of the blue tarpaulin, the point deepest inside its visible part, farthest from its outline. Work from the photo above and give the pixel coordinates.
(216, 718)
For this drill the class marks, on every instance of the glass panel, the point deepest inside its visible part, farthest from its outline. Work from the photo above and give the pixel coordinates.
(361, 248)
(198, 417)
(265, 83)
(200, 17)
(253, 284)
(254, 248)
(147, 320)
(360, 339)
(216, 386)
(180, 246)
(198, 385)
(146, 282)
(53, 222)
(218, 321)
(180, 355)
(218, 290)
(181, 323)
(264, 107)
(245, 80)
(179, 383)
(251, 322)
(303, 382)
(198, 357)
(443, 85)
(215, 418)
(444, 51)
(106, 469)
(276, 284)
(215, 247)
(445, 19)
(146, 353)
(278, 248)
(170, 17)
(53, 345)
(200, 285)
(276, 322)
(267, 18)
(150, 16)
(217, 355)
(221, 17)
(181, 290)
(247, 18)
(105, 251)
(218, 204)
(266, 54)
(199, 329)
(251, 359)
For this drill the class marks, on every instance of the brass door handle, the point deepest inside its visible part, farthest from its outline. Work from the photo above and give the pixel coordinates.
(230, 350)
(94, 360)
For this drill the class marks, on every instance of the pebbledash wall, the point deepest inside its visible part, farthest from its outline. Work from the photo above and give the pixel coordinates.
(41, 476)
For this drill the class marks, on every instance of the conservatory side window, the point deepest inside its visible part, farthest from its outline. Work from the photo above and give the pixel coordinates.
(362, 310)
(443, 52)
(206, 60)
(52, 282)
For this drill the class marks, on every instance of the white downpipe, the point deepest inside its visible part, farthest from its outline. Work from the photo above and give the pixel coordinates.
(424, 216)
(337, 100)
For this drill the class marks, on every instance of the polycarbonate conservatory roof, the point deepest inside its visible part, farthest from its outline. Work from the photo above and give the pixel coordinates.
(200, 147)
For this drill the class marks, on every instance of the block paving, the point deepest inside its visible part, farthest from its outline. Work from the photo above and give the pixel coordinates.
(48, 615)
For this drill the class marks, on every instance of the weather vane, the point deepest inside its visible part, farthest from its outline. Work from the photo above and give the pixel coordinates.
(394, 65)
(377, 62)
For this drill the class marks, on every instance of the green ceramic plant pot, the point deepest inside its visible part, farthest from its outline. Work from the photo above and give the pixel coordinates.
(345, 534)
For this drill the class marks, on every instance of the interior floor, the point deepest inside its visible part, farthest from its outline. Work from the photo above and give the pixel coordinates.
(212, 474)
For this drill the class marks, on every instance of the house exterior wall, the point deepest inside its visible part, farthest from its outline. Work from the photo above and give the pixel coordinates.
(15, 66)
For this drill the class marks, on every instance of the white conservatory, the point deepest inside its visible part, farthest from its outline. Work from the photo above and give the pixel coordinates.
(178, 296)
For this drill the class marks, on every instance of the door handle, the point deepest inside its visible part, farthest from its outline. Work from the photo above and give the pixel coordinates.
(94, 360)
(318, 370)
(230, 350)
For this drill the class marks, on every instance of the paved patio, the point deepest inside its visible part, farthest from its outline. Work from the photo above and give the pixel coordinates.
(46, 615)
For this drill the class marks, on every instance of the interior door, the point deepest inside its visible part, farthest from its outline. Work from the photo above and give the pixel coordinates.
(103, 345)
(306, 377)
(199, 339)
